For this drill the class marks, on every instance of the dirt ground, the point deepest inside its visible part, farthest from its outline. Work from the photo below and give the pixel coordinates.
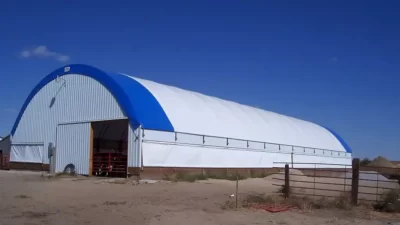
(29, 198)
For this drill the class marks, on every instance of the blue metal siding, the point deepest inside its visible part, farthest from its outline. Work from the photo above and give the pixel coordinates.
(73, 147)
(81, 99)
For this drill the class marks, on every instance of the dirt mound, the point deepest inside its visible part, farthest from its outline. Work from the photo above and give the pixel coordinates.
(295, 172)
(295, 175)
(292, 172)
(381, 162)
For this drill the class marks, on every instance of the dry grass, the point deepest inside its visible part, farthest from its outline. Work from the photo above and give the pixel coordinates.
(258, 198)
(117, 181)
(303, 203)
(259, 175)
(228, 204)
(283, 190)
(64, 175)
(341, 202)
(32, 215)
(229, 176)
(35, 214)
(114, 203)
(390, 202)
(22, 196)
(185, 177)
(192, 177)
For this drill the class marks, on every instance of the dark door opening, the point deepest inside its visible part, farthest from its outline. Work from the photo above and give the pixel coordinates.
(109, 151)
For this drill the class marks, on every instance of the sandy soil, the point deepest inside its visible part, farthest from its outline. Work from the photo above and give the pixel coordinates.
(28, 198)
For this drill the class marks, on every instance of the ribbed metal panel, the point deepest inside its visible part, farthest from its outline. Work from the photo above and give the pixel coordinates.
(77, 98)
(134, 147)
(73, 146)
(5, 145)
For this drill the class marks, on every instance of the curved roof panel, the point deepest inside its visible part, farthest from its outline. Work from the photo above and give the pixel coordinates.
(162, 107)
(137, 103)
(196, 113)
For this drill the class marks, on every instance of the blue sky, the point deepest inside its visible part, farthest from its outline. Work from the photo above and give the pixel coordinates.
(334, 63)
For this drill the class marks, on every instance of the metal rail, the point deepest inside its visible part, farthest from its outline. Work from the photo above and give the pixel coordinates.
(374, 187)
(244, 140)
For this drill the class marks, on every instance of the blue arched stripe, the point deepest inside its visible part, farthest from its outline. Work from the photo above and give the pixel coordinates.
(137, 103)
(341, 140)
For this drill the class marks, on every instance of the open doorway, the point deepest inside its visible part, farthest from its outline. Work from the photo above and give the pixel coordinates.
(109, 149)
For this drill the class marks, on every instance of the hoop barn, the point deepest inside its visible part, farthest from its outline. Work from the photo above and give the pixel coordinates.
(82, 116)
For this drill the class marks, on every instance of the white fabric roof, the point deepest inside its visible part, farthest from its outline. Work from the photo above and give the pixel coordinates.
(192, 112)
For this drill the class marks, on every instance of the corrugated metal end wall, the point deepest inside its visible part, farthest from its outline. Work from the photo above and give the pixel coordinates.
(73, 147)
(77, 98)
(134, 147)
(5, 145)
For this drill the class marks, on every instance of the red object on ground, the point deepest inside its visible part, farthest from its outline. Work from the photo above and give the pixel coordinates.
(273, 208)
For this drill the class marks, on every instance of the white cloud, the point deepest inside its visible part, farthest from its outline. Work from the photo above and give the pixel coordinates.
(63, 58)
(25, 54)
(44, 52)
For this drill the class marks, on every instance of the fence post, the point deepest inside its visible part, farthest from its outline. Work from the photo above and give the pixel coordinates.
(286, 189)
(355, 180)
(237, 188)
(292, 159)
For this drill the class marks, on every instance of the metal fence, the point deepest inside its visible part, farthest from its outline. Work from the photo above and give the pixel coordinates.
(318, 179)
(376, 182)
(351, 181)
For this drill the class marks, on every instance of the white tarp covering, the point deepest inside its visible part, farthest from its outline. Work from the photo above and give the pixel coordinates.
(195, 113)
(162, 155)
(170, 149)
(30, 153)
(183, 155)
